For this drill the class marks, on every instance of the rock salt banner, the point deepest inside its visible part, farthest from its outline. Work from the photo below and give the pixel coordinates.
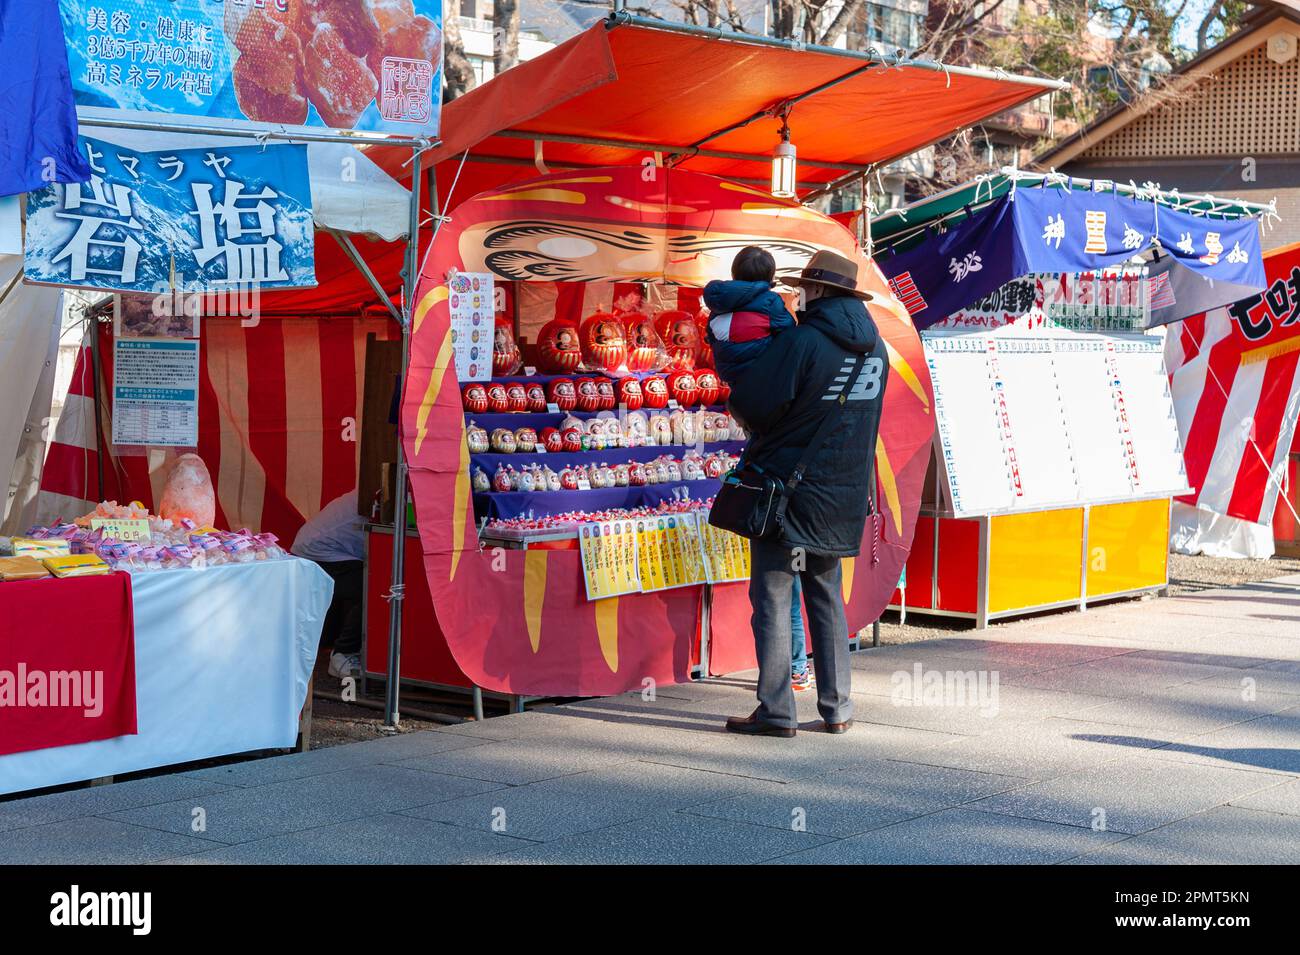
(347, 64)
(209, 219)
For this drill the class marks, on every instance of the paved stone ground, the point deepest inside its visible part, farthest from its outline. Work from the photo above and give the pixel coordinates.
(1160, 731)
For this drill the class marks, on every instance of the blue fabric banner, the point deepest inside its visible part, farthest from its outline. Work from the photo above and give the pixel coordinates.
(215, 218)
(1051, 230)
(948, 271)
(38, 121)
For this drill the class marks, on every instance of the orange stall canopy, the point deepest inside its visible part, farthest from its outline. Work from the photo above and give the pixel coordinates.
(707, 101)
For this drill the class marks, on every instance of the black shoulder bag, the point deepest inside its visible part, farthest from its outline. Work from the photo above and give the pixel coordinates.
(752, 501)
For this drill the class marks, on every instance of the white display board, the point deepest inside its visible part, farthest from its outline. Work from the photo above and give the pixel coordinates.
(1051, 418)
(471, 305)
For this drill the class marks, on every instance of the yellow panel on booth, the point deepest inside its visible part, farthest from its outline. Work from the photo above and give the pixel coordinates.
(1034, 558)
(1128, 546)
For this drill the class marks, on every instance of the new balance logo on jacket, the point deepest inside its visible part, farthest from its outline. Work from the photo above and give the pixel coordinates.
(865, 387)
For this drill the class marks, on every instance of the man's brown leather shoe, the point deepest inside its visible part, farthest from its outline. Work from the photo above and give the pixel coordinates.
(752, 726)
(837, 728)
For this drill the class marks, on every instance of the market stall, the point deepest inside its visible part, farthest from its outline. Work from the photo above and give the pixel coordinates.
(1056, 449)
(624, 603)
(196, 202)
(657, 99)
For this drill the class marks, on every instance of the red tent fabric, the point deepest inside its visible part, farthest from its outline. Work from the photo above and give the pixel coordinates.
(640, 85)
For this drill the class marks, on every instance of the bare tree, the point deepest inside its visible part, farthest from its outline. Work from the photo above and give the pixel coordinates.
(812, 20)
(458, 74)
(505, 34)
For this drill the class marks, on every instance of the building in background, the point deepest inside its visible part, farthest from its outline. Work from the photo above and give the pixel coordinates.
(1228, 122)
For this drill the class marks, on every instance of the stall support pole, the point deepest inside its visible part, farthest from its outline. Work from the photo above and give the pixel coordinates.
(396, 591)
(94, 381)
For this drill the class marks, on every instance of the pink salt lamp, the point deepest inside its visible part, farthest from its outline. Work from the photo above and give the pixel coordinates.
(188, 492)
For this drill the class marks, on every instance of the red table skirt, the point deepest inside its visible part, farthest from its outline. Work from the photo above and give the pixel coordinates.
(67, 661)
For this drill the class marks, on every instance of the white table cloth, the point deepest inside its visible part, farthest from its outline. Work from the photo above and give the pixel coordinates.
(223, 658)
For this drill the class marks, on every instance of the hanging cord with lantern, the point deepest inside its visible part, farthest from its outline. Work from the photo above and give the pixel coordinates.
(783, 159)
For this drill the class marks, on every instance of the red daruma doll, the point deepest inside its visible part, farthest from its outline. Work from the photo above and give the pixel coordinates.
(655, 392)
(604, 342)
(629, 393)
(563, 394)
(605, 389)
(643, 345)
(710, 386)
(588, 394)
(682, 386)
(705, 358)
(558, 352)
(474, 398)
(681, 337)
(506, 359)
(497, 399)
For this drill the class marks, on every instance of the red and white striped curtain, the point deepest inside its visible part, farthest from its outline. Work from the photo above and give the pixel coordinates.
(279, 424)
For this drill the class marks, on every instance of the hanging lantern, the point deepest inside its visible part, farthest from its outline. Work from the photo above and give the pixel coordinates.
(783, 165)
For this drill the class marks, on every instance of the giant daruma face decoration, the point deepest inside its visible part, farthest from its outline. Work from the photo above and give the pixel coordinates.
(604, 342)
(541, 631)
(681, 338)
(557, 347)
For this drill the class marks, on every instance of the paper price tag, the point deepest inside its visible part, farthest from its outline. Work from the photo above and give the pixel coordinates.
(127, 530)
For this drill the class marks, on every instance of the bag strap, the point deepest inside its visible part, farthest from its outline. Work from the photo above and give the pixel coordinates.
(819, 437)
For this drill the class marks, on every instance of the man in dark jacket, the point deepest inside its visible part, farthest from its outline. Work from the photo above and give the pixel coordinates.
(833, 364)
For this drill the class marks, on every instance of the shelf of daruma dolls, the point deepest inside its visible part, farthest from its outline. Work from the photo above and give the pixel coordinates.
(514, 420)
(490, 461)
(504, 505)
(545, 376)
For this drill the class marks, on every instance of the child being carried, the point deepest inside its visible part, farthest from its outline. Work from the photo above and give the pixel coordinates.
(745, 313)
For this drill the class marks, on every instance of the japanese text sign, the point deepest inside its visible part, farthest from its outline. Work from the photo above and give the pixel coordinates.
(216, 218)
(373, 65)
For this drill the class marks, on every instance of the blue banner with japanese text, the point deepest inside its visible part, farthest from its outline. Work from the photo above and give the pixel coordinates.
(1059, 231)
(199, 219)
